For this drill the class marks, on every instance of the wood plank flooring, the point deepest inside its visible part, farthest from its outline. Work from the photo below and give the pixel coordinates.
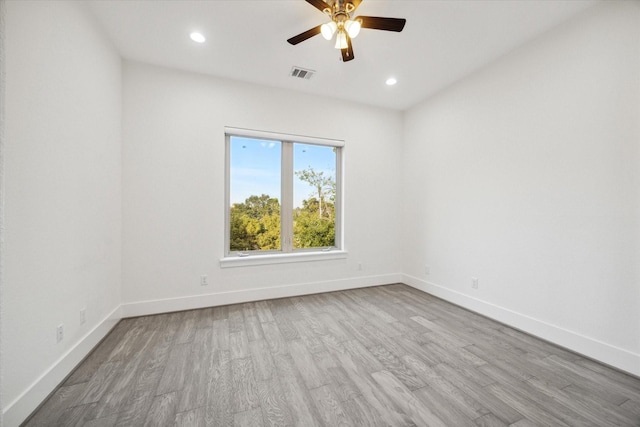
(382, 356)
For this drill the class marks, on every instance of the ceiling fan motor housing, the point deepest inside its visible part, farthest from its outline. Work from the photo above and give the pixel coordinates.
(340, 11)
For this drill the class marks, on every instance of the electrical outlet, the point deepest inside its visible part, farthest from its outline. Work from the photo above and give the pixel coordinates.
(59, 333)
(203, 280)
(359, 266)
(474, 282)
(83, 316)
(427, 270)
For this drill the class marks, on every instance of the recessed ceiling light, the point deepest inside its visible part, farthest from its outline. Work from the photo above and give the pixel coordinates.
(197, 37)
(391, 81)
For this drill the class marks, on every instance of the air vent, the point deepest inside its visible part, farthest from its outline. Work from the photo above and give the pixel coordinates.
(302, 73)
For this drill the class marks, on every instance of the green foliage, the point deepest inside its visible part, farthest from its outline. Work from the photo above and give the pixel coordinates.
(311, 230)
(255, 224)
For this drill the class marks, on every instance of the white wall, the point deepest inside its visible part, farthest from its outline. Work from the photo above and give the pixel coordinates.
(62, 237)
(173, 200)
(526, 175)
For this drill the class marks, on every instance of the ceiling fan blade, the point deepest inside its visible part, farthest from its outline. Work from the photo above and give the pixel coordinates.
(347, 54)
(304, 36)
(355, 3)
(387, 24)
(319, 4)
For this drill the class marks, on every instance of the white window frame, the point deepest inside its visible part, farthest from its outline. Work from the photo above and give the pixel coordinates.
(286, 253)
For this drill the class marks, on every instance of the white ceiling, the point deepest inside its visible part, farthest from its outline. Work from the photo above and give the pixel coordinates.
(442, 41)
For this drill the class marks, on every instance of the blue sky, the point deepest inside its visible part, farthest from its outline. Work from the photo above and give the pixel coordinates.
(255, 168)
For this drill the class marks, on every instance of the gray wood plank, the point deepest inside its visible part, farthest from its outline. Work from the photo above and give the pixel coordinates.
(362, 356)
(191, 418)
(355, 328)
(121, 388)
(100, 382)
(175, 370)
(127, 344)
(187, 329)
(108, 421)
(275, 411)
(615, 414)
(248, 418)
(136, 409)
(239, 344)
(453, 395)
(342, 386)
(595, 415)
(263, 366)
(154, 360)
(373, 394)
(329, 407)
(54, 407)
(311, 340)
(194, 392)
(475, 391)
(252, 323)
(236, 319)
(78, 415)
(287, 328)
(274, 338)
(334, 328)
(263, 312)
(205, 318)
(296, 395)
(362, 414)
(407, 401)
(521, 403)
(162, 411)
(631, 409)
(244, 388)
(489, 420)
(442, 407)
(397, 367)
(617, 393)
(221, 333)
(312, 375)
(219, 411)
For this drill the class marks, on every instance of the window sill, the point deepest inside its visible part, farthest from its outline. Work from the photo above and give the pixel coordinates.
(246, 261)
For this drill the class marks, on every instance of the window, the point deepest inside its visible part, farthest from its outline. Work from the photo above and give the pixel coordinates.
(283, 194)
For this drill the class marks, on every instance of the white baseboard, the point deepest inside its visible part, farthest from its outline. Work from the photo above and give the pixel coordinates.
(18, 410)
(142, 308)
(606, 353)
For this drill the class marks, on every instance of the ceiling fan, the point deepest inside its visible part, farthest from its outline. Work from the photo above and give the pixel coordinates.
(340, 12)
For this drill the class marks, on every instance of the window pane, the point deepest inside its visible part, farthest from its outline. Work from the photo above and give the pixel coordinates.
(314, 195)
(254, 194)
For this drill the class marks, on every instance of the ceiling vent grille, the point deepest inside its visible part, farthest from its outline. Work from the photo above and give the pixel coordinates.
(301, 73)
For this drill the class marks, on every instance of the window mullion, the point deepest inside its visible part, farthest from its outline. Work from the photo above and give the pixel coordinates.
(286, 207)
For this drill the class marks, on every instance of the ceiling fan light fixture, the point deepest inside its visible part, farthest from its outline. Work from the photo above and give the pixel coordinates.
(328, 30)
(352, 27)
(341, 40)
(344, 26)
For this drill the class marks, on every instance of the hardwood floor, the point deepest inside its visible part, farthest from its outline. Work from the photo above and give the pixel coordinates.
(383, 356)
